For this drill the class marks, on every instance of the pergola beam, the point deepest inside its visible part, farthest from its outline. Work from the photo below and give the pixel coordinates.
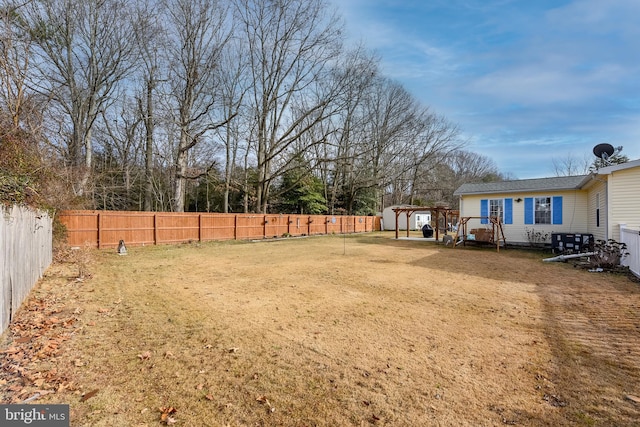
(408, 211)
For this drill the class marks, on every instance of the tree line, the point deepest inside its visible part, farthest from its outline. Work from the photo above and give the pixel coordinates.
(213, 105)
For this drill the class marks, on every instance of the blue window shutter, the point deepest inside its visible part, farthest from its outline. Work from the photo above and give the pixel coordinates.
(528, 210)
(556, 207)
(508, 211)
(484, 211)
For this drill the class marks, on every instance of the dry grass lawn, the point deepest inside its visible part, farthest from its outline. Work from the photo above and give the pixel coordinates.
(328, 331)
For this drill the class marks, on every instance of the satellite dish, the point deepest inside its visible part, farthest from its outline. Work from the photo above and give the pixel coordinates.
(603, 151)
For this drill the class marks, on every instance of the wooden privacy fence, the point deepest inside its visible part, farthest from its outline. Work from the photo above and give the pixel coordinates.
(25, 253)
(105, 229)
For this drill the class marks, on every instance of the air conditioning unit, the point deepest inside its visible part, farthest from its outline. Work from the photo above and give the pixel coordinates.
(571, 243)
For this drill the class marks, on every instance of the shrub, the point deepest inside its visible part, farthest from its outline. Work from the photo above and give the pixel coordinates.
(608, 254)
(536, 237)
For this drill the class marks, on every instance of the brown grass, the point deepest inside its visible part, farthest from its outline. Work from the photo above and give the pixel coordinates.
(333, 331)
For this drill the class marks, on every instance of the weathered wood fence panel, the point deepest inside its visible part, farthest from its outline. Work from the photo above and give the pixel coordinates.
(104, 229)
(631, 238)
(26, 252)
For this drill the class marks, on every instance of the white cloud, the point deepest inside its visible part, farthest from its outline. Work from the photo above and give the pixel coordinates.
(519, 79)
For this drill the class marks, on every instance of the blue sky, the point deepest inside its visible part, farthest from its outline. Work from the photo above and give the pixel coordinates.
(527, 81)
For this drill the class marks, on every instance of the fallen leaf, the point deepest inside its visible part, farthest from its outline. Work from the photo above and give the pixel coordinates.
(233, 350)
(632, 398)
(89, 395)
(23, 340)
(263, 399)
(165, 412)
(144, 356)
(103, 310)
(209, 397)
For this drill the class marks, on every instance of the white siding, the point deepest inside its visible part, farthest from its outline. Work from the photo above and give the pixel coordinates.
(624, 200)
(574, 214)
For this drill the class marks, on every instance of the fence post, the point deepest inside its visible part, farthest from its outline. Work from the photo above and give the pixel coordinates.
(235, 227)
(99, 231)
(199, 227)
(155, 229)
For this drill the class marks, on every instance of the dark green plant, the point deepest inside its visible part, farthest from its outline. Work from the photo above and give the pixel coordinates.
(301, 192)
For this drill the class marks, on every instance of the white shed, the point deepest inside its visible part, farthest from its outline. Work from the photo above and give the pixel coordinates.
(416, 220)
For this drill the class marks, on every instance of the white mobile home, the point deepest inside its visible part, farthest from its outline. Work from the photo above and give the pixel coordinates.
(597, 203)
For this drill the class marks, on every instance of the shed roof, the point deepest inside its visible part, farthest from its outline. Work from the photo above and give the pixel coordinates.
(558, 183)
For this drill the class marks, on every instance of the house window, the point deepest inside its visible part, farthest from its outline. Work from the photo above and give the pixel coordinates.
(542, 210)
(496, 208)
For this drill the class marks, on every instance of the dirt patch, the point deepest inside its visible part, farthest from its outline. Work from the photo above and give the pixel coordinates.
(362, 330)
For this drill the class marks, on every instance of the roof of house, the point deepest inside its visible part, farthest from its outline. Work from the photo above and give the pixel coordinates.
(613, 168)
(558, 183)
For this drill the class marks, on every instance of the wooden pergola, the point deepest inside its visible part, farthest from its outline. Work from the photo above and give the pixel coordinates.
(449, 215)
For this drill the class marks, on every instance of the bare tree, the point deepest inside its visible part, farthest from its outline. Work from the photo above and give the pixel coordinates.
(118, 144)
(438, 139)
(292, 45)
(338, 150)
(150, 39)
(15, 49)
(234, 84)
(396, 138)
(198, 32)
(439, 181)
(571, 165)
(84, 49)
